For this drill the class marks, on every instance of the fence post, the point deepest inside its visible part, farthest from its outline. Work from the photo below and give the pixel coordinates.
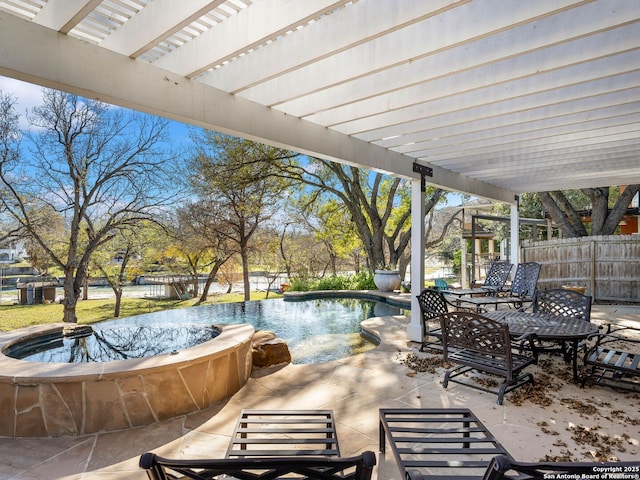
(592, 276)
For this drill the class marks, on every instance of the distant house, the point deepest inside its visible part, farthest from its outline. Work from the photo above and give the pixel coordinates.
(12, 251)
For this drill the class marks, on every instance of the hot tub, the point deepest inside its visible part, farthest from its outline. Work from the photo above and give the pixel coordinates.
(52, 399)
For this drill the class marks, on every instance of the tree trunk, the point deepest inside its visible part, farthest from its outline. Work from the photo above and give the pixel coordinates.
(208, 282)
(603, 220)
(245, 273)
(85, 288)
(619, 209)
(71, 295)
(599, 207)
(568, 227)
(116, 310)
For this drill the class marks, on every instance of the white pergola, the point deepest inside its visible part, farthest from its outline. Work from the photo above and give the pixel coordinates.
(495, 97)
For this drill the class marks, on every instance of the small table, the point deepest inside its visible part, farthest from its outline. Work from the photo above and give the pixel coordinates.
(439, 442)
(547, 327)
(271, 433)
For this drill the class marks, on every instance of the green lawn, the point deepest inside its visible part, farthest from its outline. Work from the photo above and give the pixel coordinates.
(91, 311)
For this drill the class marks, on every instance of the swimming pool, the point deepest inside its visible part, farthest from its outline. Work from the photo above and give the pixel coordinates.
(53, 399)
(316, 330)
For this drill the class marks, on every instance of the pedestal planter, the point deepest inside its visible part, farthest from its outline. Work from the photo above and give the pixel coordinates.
(387, 280)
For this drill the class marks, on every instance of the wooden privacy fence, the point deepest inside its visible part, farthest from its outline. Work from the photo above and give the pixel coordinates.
(608, 267)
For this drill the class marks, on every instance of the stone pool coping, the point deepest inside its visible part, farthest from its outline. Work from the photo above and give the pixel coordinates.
(53, 399)
(401, 300)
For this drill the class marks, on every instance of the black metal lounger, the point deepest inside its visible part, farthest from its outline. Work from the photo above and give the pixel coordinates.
(448, 443)
(273, 444)
(614, 358)
(452, 444)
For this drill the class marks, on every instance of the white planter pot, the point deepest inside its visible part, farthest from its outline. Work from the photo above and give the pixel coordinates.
(387, 280)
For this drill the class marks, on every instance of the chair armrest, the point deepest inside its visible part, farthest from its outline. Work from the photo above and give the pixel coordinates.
(612, 335)
(530, 338)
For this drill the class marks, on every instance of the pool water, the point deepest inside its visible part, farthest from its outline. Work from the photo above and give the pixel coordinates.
(315, 330)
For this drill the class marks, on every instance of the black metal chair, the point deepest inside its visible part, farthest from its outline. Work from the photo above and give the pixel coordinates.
(497, 276)
(484, 345)
(563, 303)
(268, 468)
(493, 283)
(523, 289)
(432, 304)
(525, 281)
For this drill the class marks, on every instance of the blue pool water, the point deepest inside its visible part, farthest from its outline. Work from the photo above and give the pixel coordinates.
(315, 330)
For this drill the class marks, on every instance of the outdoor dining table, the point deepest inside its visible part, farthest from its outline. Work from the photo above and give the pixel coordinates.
(547, 327)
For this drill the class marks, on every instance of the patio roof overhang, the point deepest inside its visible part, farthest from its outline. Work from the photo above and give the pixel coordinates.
(497, 97)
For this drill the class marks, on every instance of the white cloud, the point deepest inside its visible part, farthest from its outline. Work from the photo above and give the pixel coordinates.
(28, 95)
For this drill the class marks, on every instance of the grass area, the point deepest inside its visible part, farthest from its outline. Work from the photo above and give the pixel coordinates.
(92, 311)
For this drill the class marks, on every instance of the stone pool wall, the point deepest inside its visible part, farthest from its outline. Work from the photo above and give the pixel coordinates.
(54, 399)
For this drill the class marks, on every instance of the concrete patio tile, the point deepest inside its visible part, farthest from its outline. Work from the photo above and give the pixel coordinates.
(18, 455)
(70, 461)
(120, 450)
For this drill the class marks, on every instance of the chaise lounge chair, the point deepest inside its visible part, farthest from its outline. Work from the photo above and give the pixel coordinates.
(272, 445)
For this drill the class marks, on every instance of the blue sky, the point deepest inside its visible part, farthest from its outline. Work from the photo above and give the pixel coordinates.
(30, 95)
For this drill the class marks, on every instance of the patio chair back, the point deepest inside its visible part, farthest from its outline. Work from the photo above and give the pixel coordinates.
(497, 275)
(432, 306)
(272, 468)
(440, 284)
(525, 280)
(474, 332)
(482, 344)
(566, 303)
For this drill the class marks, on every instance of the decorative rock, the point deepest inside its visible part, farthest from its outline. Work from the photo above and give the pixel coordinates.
(262, 336)
(269, 350)
(76, 331)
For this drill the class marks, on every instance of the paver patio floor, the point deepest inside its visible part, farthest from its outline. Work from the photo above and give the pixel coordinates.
(579, 423)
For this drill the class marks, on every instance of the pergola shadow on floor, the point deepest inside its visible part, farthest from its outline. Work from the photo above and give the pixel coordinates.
(557, 420)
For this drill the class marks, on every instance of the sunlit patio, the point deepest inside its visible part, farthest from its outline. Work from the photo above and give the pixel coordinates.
(556, 420)
(488, 98)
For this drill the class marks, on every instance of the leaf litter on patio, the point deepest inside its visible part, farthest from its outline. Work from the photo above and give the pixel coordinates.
(551, 377)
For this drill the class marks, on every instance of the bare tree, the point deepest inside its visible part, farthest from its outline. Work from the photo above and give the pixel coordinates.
(201, 234)
(98, 167)
(239, 175)
(114, 258)
(378, 205)
(10, 139)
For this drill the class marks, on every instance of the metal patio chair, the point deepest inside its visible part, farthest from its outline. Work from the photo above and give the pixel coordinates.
(522, 290)
(432, 305)
(562, 303)
(484, 345)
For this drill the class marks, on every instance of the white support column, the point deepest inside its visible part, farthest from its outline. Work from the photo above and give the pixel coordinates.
(414, 330)
(515, 235)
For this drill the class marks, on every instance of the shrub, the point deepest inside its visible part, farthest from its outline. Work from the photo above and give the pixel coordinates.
(334, 282)
(363, 280)
(299, 285)
(360, 281)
